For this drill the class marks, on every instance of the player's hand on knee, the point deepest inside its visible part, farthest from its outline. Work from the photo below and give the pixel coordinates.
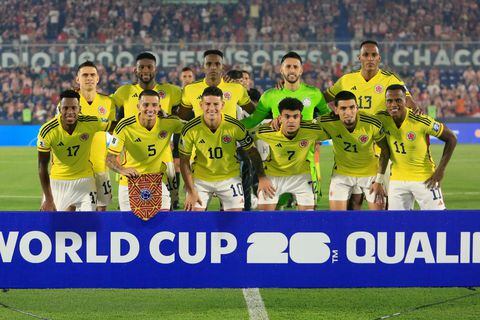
(434, 180)
(48, 206)
(379, 192)
(130, 173)
(191, 200)
(265, 186)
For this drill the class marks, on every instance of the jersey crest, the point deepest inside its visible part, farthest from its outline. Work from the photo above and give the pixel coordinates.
(84, 136)
(411, 136)
(378, 88)
(226, 139)
(163, 134)
(227, 95)
(363, 138)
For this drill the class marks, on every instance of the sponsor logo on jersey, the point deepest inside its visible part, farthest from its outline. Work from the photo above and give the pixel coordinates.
(163, 134)
(363, 138)
(135, 95)
(227, 95)
(162, 94)
(102, 110)
(307, 102)
(226, 139)
(278, 145)
(84, 136)
(378, 88)
(411, 135)
(138, 140)
(354, 88)
(303, 143)
(41, 143)
(201, 141)
(339, 136)
(436, 127)
(60, 144)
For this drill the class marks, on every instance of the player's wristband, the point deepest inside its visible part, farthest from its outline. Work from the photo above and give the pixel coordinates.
(380, 178)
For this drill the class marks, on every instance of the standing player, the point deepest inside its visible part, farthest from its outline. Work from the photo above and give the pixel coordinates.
(69, 136)
(354, 134)
(414, 176)
(288, 166)
(126, 101)
(368, 84)
(253, 93)
(215, 169)
(312, 98)
(145, 137)
(234, 93)
(126, 97)
(95, 104)
(186, 76)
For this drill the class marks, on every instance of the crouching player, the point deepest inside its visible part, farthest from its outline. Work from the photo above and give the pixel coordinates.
(145, 138)
(414, 175)
(215, 168)
(353, 135)
(70, 186)
(287, 165)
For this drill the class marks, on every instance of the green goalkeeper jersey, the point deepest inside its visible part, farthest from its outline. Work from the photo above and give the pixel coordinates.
(311, 97)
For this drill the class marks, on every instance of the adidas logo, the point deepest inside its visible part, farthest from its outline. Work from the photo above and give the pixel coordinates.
(60, 144)
(278, 145)
(354, 88)
(135, 95)
(138, 140)
(201, 141)
(339, 136)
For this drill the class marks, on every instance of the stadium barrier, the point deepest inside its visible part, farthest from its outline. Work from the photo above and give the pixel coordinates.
(26, 135)
(239, 249)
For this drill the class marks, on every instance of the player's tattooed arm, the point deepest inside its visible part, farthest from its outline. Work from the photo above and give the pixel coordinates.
(264, 183)
(43, 161)
(192, 197)
(450, 143)
(112, 163)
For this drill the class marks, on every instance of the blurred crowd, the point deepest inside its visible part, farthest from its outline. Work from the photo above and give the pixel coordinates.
(147, 21)
(451, 92)
(454, 94)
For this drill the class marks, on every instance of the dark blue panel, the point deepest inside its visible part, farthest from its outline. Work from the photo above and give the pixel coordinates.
(322, 238)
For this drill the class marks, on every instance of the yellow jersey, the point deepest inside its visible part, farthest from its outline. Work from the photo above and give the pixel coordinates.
(216, 152)
(287, 156)
(354, 151)
(144, 149)
(233, 94)
(102, 107)
(409, 145)
(71, 152)
(127, 96)
(370, 94)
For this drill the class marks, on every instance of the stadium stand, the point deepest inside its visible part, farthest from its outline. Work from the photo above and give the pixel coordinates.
(453, 91)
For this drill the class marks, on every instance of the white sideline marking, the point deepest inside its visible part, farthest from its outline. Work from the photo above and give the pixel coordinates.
(255, 305)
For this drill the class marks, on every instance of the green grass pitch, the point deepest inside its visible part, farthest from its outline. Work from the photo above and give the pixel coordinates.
(20, 190)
